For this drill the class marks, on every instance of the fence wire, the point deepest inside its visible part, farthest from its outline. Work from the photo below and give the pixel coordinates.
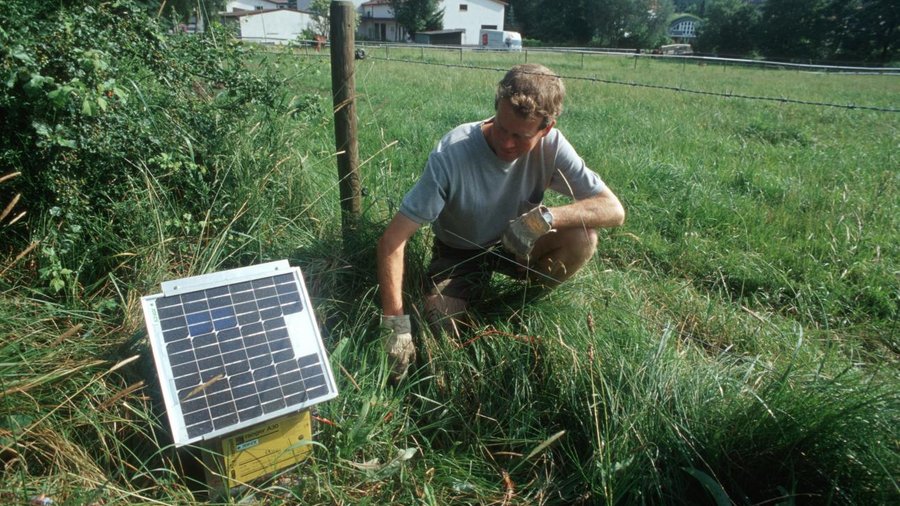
(634, 84)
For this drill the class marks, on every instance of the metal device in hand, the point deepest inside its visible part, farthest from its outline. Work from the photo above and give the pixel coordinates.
(522, 232)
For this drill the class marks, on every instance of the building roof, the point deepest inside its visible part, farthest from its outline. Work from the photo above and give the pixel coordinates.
(680, 16)
(238, 13)
(442, 32)
(372, 3)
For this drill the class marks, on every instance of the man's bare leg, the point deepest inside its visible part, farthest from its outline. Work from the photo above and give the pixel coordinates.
(559, 255)
(445, 314)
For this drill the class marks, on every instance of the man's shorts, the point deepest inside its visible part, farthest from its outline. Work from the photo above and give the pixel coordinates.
(463, 273)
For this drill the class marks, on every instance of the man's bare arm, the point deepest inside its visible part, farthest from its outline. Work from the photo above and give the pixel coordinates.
(391, 247)
(599, 211)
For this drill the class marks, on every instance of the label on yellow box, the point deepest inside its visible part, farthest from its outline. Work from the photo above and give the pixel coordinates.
(267, 448)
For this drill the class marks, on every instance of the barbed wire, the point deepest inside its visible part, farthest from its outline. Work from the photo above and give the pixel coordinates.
(633, 84)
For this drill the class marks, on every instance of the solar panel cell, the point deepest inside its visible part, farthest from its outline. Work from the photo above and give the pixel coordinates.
(260, 361)
(313, 393)
(277, 333)
(268, 396)
(218, 398)
(217, 291)
(275, 323)
(221, 312)
(185, 369)
(248, 318)
(170, 312)
(282, 356)
(199, 306)
(238, 297)
(192, 296)
(189, 380)
(219, 302)
(225, 421)
(209, 363)
(272, 312)
(175, 334)
(262, 282)
(237, 367)
(285, 289)
(311, 371)
(245, 403)
(196, 417)
(315, 381)
(182, 358)
(201, 328)
(307, 360)
(179, 346)
(177, 322)
(274, 406)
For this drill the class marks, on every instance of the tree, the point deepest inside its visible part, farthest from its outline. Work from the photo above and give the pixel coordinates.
(730, 28)
(630, 23)
(418, 15)
(321, 18)
(566, 22)
(526, 18)
(198, 11)
(867, 30)
(794, 29)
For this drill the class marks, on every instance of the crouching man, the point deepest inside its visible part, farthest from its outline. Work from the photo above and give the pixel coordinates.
(482, 191)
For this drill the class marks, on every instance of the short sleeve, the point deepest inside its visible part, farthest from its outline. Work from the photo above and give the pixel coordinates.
(571, 175)
(425, 201)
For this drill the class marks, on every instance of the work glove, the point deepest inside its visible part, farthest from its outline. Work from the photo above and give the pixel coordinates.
(399, 345)
(523, 231)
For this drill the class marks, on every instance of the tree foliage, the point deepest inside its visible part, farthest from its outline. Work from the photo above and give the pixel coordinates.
(418, 15)
(185, 10)
(843, 30)
(608, 23)
(321, 18)
(730, 28)
(631, 23)
(92, 94)
(848, 30)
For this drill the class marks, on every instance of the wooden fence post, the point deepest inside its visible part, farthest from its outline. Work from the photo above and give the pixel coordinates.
(343, 88)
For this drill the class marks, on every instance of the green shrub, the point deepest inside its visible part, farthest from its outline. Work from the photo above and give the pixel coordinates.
(91, 95)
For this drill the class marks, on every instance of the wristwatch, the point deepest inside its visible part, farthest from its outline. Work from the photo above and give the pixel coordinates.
(548, 216)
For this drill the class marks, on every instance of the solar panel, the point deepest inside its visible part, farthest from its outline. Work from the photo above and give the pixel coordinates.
(236, 348)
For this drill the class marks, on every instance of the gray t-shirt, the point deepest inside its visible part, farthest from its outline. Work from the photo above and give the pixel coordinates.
(469, 195)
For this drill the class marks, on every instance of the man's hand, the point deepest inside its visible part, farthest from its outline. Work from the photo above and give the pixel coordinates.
(523, 231)
(399, 345)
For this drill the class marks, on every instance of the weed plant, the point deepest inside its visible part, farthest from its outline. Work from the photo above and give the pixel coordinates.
(734, 342)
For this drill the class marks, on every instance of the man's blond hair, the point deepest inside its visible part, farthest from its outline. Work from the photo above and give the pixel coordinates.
(534, 91)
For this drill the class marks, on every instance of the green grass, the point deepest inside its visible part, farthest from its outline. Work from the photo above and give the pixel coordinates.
(735, 341)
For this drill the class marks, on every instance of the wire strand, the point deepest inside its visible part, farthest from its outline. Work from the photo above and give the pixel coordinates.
(633, 84)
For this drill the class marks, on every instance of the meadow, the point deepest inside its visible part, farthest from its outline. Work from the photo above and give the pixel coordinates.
(735, 342)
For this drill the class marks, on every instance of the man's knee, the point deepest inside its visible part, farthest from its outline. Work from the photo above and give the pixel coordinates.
(583, 242)
(568, 252)
(444, 314)
(572, 243)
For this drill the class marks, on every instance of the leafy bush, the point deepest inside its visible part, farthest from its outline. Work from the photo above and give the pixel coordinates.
(92, 95)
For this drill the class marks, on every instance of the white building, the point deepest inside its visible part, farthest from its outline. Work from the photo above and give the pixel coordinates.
(254, 5)
(377, 20)
(279, 26)
(473, 16)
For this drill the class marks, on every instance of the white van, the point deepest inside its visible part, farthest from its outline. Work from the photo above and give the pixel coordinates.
(500, 40)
